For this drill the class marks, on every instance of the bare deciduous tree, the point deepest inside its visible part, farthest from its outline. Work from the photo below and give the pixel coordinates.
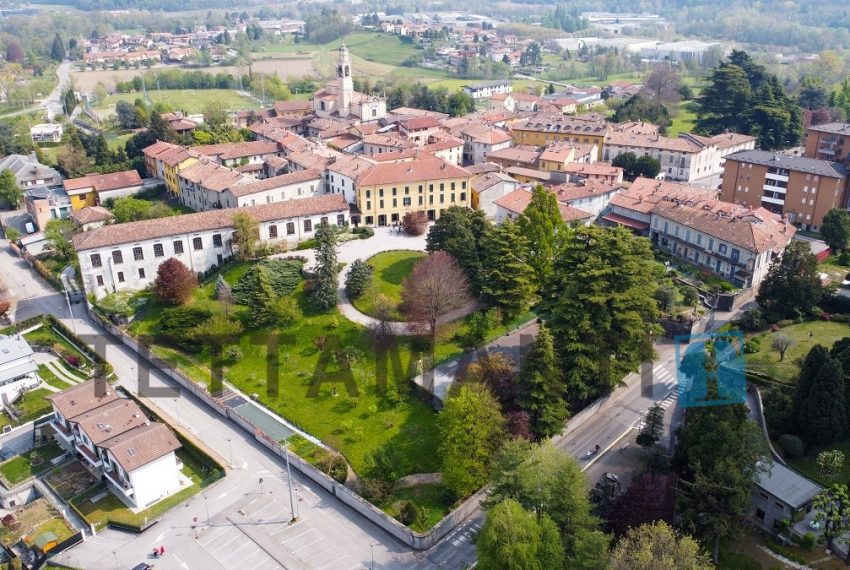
(780, 344)
(436, 287)
(663, 84)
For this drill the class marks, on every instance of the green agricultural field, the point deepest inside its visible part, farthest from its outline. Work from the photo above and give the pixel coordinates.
(189, 100)
(389, 270)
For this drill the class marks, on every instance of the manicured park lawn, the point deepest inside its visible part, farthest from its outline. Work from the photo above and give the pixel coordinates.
(684, 121)
(389, 270)
(356, 411)
(50, 378)
(766, 361)
(20, 467)
(808, 465)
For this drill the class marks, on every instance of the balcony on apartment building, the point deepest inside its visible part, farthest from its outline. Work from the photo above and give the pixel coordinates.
(62, 432)
(113, 477)
(89, 455)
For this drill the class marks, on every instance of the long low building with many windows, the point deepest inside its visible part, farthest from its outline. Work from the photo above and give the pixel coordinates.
(125, 257)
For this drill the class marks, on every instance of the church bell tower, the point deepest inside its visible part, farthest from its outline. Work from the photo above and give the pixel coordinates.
(345, 86)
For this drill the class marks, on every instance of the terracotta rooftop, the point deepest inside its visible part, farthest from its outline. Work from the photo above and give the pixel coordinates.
(405, 172)
(525, 154)
(419, 123)
(132, 232)
(789, 162)
(757, 230)
(518, 200)
(636, 140)
(111, 419)
(644, 193)
(485, 134)
(528, 173)
(141, 445)
(592, 169)
(84, 397)
(569, 191)
(103, 182)
(351, 165)
(230, 151)
(488, 180)
(173, 157)
(90, 214)
(211, 175)
(483, 167)
(388, 140)
(283, 107)
(297, 177)
(560, 123)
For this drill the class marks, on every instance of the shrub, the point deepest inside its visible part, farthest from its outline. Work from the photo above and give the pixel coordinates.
(807, 541)
(791, 445)
(333, 465)
(726, 286)
(359, 279)
(752, 320)
(286, 312)
(174, 282)
(841, 318)
(176, 324)
(283, 275)
(375, 490)
(233, 353)
(415, 223)
(784, 323)
(479, 324)
(408, 512)
(72, 359)
(306, 244)
(363, 232)
(752, 346)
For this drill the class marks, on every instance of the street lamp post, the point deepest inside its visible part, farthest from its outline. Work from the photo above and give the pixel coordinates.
(70, 311)
(207, 505)
(289, 481)
(230, 450)
(177, 408)
(372, 552)
(115, 556)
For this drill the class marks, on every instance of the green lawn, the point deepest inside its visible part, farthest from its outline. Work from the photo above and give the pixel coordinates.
(389, 270)
(20, 467)
(50, 378)
(434, 501)
(766, 361)
(46, 336)
(33, 404)
(808, 466)
(352, 411)
(370, 46)
(684, 121)
(189, 100)
(110, 509)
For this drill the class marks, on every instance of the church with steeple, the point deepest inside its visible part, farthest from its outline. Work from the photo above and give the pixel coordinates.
(339, 99)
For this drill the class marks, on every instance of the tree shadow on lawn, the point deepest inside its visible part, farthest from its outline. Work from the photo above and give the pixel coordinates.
(396, 272)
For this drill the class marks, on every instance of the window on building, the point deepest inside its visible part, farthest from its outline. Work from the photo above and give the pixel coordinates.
(340, 219)
(395, 202)
(405, 201)
(368, 205)
(197, 244)
(463, 196)
(121, 277)
(380, 204)
(99, 280)
(138, 255)
(431, 199)
(722, 248)
(407, 190)
(420, 189)
(420, 200)
(430, 188)
(453, 186)
(442, 198)
(117, 257)
(95, 260)
(369, 220)
(710, 244)
(308, 226)
(452, 197)
(368, 193)
(290, 228)
(158, 250)
(442, 186)
(395, 191)
(380, 192)
(141, 272)
(178, 247)
(272, 231)
(323, 220)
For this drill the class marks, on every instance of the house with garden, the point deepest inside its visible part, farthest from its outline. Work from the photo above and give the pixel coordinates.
(118, 442)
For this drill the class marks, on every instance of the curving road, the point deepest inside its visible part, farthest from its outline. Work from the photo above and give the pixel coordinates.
(53, 102)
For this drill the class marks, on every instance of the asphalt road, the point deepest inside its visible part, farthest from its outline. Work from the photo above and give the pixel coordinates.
(53, 101)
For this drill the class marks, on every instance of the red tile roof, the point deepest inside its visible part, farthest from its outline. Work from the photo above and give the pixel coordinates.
(84, 397)
(132, 232)
(518, 200)
(418, 170)
(103, 182)
(241, 190)
(141, 445)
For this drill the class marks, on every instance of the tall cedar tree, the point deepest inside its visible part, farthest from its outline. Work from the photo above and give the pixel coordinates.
(513, 538)
(471, 429)
(823, 417)
(717, 459)
(602, 308)
(814, 361)
(325, 293)
(460, 232)
(246, 234)
(507, 276)
(541, 387)
(435, 287)
(545, 232)
(792, 287)
(57, 51)
(174, 282)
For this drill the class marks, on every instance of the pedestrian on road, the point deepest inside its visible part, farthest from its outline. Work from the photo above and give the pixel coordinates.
(162, 551)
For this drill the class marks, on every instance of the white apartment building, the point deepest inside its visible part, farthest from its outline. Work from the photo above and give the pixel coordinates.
(480, 140)
(687, 158)
(487, 89)
(116, 440)
(125, 257)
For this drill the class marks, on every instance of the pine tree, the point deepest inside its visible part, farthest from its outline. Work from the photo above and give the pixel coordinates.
(58, 49)
(544, 230)
(507, 275)
(814, 361)
(823, 417)
(359, 278)
(653, 424)
(263, 301)
(541, 387)
(325, 293)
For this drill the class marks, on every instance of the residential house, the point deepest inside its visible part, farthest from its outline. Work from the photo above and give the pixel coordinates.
(511, 205)
(601, 171)
(780, 494)
(238, 154)
(545, 128)
(18, 370)
(489, 187)
(29, 172)
(94, 189)
(46, 132)
(125, 257)
(486, 89)
(91, 217)
(45, 203)
(591, 196)
(803, 189)
(481, 140)
(117, 441)
(731, 241)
